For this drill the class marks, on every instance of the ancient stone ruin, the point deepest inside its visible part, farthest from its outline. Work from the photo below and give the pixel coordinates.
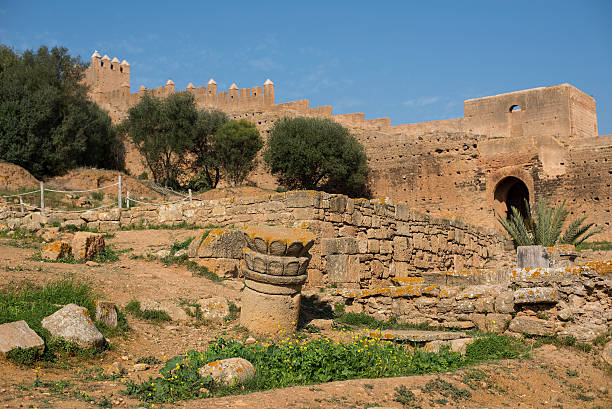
(276, 259)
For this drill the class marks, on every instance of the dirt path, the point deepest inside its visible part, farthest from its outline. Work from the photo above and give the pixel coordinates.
(552, 378)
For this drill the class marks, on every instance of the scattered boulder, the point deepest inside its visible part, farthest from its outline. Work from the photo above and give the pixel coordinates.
(86, 245)
(229, 371)
(214, 308)
(174, 311)
(56, 250)
(73, 323)
(141, 367)
(118, 368)
(531, 326)
(106, 313)
(180, 253)
(322, 323)
(18, 334)
(49, 234)
(92, 263)
(162, 254)
(250, 341)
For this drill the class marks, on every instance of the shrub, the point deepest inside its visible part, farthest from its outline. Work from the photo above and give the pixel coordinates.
(316, 153)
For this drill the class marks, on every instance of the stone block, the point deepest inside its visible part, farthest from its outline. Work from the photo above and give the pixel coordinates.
(278, 241)
(532, 257)
(535, 295)
(274, 279)
(300, 199)
(223, 267)
(531, 326)
(86, 245)
(73, 323)
(342, 245)
(106, 313)
(18, 334)
(217, 243)
(504, 302)
(56, 250)
(214, 308)
(170, 213)
(342, 268)
(74, 223)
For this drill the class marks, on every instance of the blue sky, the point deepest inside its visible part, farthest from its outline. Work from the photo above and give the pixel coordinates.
(411, 61)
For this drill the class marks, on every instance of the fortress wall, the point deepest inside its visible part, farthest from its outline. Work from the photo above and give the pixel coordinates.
(583, 114)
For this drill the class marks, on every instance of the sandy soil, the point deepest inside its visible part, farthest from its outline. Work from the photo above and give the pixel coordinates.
(552, 378)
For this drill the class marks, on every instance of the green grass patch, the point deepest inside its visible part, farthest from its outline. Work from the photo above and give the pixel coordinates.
(31, 303)
(595, 245)
(180, 245)
(353, 320)
(157, 316)
(302, 361)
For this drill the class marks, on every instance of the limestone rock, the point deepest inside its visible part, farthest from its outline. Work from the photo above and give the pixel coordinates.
(174, 311)
(162, 254)
(504, 302)
(606, 354)
(218, 243)
(531, 326)
(118, 368)
(141, 367)
(532, 257)
(534, 295)
(229, 371)
(322, 323)
(18, 334)
(73, 323)
(250, 341)
(214, 308)
(584, 332)
(274, 279)
(56, 250)
(86, 245)
(106, 313)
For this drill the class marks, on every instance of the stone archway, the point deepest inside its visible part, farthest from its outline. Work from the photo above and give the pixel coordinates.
(511, 192)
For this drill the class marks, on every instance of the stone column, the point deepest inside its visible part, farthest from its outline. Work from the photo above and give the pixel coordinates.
(276, 259)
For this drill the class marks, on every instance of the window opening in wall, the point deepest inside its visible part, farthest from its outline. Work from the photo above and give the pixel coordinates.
(511, 192)
(515, 108)
(101, 63)
(120, 69)
(111, 66)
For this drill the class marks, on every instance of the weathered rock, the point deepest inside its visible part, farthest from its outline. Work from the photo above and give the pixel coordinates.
(92, 263)
(606, 354)
(180, 253)
(18, 334)
(231, 371)
(532, 257)
(322, 323)
(56, 250)
(49, 234)
(161, 254)
(584, 332)
(175, 312)
(534, 295)
(223, 267)
(86, 245)
(531, 326)
(214, 308)
(118, 368)
(106, 313)
(250, 341)
(170, 213)
(504, 302)
(455, 345)
(217, 243)
(141, 367)
(266, 288)
(73, 323)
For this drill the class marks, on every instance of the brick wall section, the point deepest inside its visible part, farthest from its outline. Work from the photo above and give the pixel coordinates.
(361, 243)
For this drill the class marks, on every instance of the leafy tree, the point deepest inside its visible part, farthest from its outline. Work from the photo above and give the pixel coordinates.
(47, 124)
(236, 144)
(205, 156)
(162, 129)
(315, 153)
(545, 228)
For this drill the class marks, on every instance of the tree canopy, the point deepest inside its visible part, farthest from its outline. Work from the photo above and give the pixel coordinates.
(47, 124)
(316, 153)
(236, 145)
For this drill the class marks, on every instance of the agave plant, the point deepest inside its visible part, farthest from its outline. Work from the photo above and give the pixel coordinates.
(545, 227)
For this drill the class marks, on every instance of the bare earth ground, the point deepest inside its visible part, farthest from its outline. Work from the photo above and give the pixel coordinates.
(552, 378)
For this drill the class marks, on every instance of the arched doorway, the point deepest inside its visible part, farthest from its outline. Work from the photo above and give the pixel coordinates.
(511, 192)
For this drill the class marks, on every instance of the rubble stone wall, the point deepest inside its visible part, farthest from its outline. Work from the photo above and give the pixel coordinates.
(361, 243)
